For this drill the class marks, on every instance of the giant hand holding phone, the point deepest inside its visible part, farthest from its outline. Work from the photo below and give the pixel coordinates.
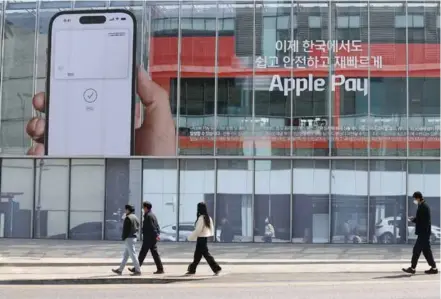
(90, 90)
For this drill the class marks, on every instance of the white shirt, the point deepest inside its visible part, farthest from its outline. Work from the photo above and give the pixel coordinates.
(200, 230)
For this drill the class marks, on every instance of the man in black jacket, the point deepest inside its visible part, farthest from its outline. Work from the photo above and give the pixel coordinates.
(423, 229)
(129, 236)
(150, 232)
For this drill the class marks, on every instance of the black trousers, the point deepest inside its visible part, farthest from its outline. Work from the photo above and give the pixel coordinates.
(422, 244)
(152, 246)
(202, 251)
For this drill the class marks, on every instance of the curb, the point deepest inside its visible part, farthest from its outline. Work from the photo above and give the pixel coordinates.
(237, 263)
(94, 281)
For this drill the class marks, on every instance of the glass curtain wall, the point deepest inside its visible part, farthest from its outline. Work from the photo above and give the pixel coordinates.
(250, 200)
(321, 117)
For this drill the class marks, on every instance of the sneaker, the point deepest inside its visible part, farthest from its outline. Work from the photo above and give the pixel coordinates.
(216, 273)
(131, 269)
(159, 272)
(409, 270)
(117, 271)
(136, 273)
(431, 271)
(190, 273)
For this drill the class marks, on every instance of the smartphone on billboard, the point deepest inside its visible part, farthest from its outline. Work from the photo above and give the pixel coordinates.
(90, 104)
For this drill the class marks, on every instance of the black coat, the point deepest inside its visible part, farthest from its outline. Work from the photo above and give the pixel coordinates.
(150, 229)
(423, 223)
(130, 227)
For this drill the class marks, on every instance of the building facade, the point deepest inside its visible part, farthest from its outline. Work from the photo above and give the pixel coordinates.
(323, 116)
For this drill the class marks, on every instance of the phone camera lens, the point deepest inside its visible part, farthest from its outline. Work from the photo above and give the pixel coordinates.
(123, 19)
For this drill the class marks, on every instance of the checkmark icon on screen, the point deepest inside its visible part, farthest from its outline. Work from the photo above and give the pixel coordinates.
(90, 95)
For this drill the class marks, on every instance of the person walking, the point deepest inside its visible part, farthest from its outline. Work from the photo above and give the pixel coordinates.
(227, 233)
(347, 231)
(203, 230)
(150, 233)
(129, 236)
(270, 233)
(423, 231)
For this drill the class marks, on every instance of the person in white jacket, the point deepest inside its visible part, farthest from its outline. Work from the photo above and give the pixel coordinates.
(203, 230)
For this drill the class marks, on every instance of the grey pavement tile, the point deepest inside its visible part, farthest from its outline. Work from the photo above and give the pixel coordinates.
(91, 249)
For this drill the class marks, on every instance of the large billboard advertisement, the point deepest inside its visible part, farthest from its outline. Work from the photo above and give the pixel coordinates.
(252, 79)
(362, 70)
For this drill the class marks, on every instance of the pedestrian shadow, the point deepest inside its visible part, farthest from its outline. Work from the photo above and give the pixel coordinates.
(99, 279)
(397, 276)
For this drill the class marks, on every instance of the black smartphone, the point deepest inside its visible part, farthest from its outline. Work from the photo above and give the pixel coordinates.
(90, 92)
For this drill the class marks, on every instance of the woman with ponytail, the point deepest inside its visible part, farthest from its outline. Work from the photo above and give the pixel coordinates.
(203, 230)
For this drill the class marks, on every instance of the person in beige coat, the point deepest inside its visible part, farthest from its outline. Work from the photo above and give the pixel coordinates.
(203, 230)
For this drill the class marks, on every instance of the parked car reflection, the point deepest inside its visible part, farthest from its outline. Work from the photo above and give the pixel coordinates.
(384, 231)
(94, 231)
(169, 232)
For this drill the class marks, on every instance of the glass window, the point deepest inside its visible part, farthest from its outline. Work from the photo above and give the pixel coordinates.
(269, 38)
(354, 21)
(314, 22)
(87, 198)
(272, 106)
(387, 189)
(17, 198)
(309, 117)
(349, 201)
(234, 199)
(197, 184)
(417, 21)
(160, 188)
(90, 4)
(186, 23)
(162, 48)
(197, 94)
(158, 25)
(272, 201)
(413, 21)
(424, 176)
(400, 21)
(310, 209)
(51, 198)
(210, 24)
(283, 22)
(199, 24)
(424, 87)
(123, 186)
(228, 24)
(415, 28)
(343, 22)
(424, 115)
(235, 98)
(55, 4)
(125, 3)
(18, 70)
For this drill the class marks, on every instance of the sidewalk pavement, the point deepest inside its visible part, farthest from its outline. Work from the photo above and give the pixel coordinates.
(103, 275)
(20, 252)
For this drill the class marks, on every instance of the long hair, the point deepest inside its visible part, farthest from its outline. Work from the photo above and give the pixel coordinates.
(203, 211)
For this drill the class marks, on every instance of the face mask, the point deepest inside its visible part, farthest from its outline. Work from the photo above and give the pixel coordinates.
(123, 216)
(415, 201)
(266, 221)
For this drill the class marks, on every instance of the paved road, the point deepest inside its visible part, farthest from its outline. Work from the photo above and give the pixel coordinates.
(36, 249)
(349, 286)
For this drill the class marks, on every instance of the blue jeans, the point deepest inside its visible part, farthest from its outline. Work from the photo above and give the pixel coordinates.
(130, 250)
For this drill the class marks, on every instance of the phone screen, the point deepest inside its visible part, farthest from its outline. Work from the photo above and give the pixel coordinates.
(90, 94)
